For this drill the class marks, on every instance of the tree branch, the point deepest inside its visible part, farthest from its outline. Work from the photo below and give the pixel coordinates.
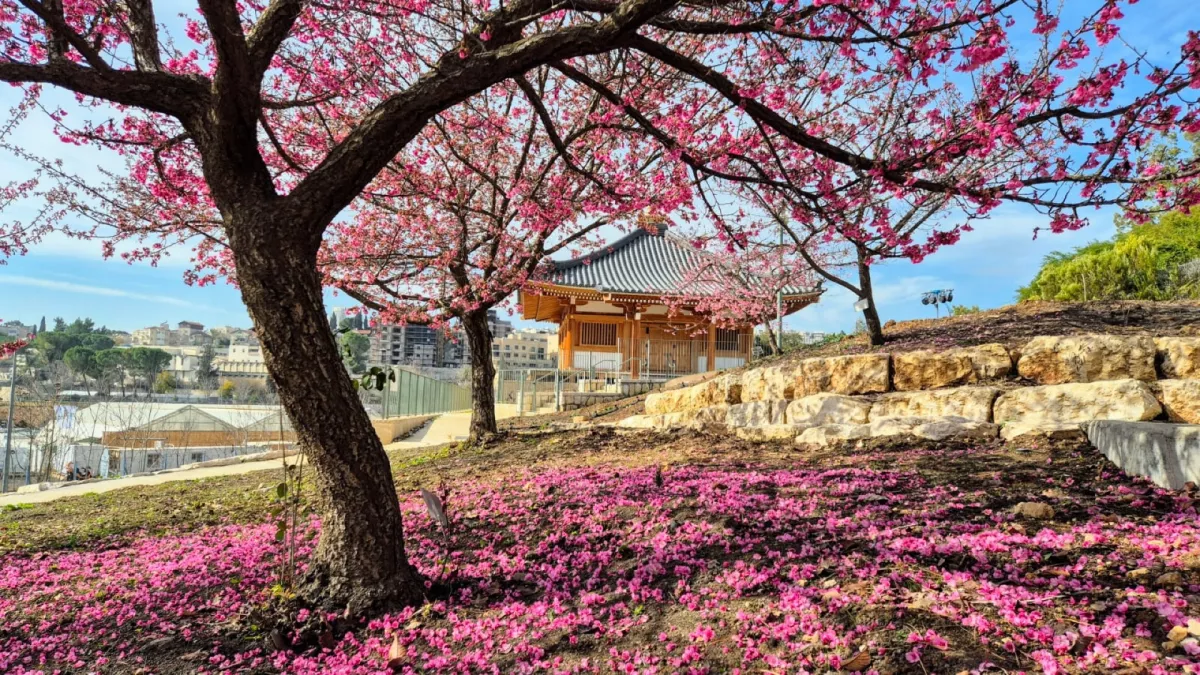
(272, 28)
(143, 35)
(366, 150)
(174, 95)
(60, 34)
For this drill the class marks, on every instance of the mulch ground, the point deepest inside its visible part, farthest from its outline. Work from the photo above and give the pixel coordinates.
(598, 551)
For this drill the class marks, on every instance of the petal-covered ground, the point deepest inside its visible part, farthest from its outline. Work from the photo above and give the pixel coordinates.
(896, 561)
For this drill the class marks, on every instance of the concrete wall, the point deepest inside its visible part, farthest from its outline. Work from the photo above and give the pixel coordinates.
(1168, 454)
(388, 430)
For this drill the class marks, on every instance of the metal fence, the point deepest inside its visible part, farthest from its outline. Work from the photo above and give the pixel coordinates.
(533, 390)
(664, 359)
(415, 394)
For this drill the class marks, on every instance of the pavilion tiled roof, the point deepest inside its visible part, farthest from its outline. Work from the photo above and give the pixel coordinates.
(649, 260)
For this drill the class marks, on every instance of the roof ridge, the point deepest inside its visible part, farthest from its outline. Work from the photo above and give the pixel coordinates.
(608, 249)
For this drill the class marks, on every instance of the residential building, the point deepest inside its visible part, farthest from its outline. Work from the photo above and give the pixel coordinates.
(408, 345)
(162, 335)
(500, 328)
(455, 352)
(624, 308)
(526, 349)
(232, 335)
(191, 333)
(16, 329)
(242, 362)
(152, 336)
(185, 363)
(425, 347)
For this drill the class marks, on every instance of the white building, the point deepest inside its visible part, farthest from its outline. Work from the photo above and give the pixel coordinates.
(233, 335)
(526, 349)
(185, 333)
(16, 329)
(243, 362)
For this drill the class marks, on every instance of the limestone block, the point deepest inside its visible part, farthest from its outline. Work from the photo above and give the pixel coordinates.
(1178, 357)
(955, 427)
(726, 389)
(691, 398)
(827, 434)
(854, 374)
(913, 371)
(756, 414)
(1050, 407)
(972, 403)
(641, 422)
(1087, 358)
(676, 420)
(890, 427)
(771, 432)
(713, 415)
(1181, 399)
(769, 384)
(828, 409)
(661, 402)
(1041, 429)
(715, 391)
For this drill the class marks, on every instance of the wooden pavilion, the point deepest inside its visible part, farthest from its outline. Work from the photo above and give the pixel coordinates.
(612, 307)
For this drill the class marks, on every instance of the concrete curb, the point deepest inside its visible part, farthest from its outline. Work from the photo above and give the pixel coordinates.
(1167, 454)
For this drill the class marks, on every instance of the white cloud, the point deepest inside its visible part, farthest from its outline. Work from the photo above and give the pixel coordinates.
(69, 287)
(896, 299)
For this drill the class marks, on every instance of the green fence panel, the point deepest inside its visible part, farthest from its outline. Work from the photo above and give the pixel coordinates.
(415, 394)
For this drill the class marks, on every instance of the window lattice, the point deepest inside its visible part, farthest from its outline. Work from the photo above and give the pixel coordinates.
(598, 334)
(727, 340)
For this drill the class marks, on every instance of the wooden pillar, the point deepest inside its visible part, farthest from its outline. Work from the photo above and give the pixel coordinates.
(635, 366)
(566, 348)
(712, 347)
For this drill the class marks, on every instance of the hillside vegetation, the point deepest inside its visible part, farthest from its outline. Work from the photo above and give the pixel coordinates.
(1144, 262)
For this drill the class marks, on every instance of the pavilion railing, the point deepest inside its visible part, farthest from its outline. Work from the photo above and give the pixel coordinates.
(664, 359)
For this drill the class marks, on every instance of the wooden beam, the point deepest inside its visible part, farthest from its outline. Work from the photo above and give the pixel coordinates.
(634, 344)
(712, 347)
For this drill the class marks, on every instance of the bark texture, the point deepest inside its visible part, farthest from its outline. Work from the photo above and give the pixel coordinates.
(870, 313)
(360, 562)
(483, 374)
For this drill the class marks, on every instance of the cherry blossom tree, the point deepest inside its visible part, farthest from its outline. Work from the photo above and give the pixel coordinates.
(743, 277)
(489, 192)
(251, 132)
(841, 246)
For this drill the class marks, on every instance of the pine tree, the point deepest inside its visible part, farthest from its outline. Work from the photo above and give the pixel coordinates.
(42, 325)
(333, 322)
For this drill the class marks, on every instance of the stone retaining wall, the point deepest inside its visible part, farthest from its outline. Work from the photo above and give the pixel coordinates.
(1049, 386)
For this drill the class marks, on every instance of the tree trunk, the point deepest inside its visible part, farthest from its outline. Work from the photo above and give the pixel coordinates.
(483, 374)
(772, 340)
(360, 562)
(870, 313)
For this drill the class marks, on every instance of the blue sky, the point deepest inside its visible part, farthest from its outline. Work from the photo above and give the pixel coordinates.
(68, 278)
